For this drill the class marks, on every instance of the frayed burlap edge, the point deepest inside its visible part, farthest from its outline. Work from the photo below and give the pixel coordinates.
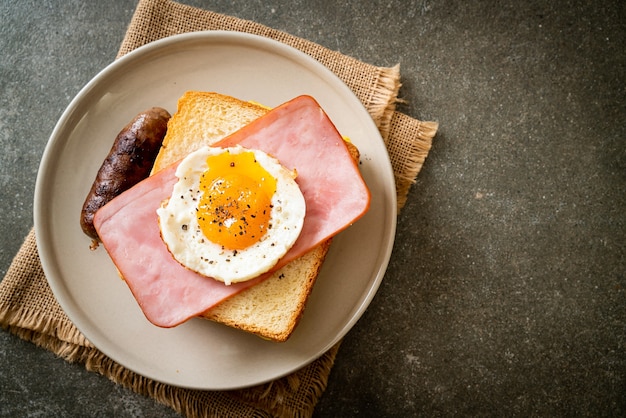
(32, 306)
(263, 400)
(384, 98)
(55, 335)
(407, 157)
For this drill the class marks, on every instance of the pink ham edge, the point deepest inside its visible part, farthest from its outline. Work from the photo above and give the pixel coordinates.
(300, 135)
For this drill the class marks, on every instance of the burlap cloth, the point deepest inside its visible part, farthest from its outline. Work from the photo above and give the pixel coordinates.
(29, 309)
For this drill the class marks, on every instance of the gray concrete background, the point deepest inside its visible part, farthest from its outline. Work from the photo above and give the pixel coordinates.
(505, 295)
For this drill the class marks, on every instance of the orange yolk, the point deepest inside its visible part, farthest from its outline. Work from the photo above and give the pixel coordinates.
(235, 204)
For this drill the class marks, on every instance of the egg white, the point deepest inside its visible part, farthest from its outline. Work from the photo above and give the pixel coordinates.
(186, 242)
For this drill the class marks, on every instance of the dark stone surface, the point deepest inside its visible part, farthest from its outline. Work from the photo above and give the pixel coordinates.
(505, 295)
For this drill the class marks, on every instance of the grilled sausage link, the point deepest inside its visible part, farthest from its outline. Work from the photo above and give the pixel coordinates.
(129, 161)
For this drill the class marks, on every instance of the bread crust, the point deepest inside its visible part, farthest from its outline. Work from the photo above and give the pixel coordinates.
(243, 311)
(188, 130)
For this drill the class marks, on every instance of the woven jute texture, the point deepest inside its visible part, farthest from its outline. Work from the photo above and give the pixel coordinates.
(28, 307)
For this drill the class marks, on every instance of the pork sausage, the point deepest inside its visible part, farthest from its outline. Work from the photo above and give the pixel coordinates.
(130, 160)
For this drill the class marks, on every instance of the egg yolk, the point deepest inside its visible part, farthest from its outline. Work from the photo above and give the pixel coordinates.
(236, 200)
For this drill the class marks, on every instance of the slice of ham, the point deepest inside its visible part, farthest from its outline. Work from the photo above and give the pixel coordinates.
(301, 136)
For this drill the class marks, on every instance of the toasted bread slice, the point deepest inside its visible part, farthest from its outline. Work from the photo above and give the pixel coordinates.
(273, 308)
(203, 118)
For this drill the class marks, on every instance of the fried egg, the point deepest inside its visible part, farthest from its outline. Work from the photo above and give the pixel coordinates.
(233, 213)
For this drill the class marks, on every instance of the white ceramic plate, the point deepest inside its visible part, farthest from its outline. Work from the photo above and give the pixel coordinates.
(200, 354)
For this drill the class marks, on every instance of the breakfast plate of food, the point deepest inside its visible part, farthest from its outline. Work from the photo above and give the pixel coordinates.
(215, 210)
